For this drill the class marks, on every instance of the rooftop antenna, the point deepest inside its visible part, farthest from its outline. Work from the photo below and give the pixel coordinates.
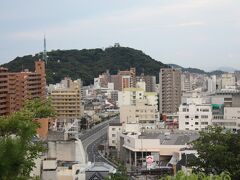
(44, 50)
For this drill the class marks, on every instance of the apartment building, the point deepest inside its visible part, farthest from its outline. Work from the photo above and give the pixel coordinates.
(170, 90)
(66, 99)
(17, 87)
(4, 99)
(195, 115)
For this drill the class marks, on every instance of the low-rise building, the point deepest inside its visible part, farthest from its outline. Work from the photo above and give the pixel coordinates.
(162, 145)
(230, 118)
(114, 130)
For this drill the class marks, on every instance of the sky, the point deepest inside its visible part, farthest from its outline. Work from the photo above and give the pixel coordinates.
(192, 33)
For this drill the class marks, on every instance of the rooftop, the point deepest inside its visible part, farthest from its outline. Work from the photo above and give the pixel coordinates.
(171, 138)
(101, 166)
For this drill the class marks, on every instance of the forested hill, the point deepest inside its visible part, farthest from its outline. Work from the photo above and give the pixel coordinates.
(89, 63)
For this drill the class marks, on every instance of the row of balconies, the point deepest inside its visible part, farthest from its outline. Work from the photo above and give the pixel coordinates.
(65, 97)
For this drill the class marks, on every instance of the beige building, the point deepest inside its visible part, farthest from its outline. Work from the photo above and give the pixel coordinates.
(228, 79)
(141, 113)
(129, 96)
(66, 99)
(138, 106)
(114, 130)
(170, 90)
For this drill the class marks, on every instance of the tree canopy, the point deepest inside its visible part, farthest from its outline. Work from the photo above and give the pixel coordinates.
(18, 149)
(89, 63)
(197, 176)
(218, 151)
(40, 108)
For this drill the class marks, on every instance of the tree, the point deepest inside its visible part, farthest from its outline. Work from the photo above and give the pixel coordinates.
(40, 108)
(121, 173)
(199, 176)
(18, 149)
(218, 151)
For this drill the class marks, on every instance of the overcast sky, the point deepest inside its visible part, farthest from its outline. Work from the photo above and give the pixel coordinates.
(192, 33)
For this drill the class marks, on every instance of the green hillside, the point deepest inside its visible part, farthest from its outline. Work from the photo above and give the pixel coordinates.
(89, 63)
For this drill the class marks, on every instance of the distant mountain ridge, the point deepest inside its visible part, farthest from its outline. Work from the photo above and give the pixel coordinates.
(89, 63)
(196, 70)
(227, 69)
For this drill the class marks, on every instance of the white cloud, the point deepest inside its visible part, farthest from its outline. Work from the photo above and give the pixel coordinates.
(128, 19)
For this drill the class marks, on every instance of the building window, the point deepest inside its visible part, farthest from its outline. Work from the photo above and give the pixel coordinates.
(113, 135)
(196, 117)
(186, 117)
(186, 123)
(204, 116)
(113, 129)
(196, 129)
(113, 141)
(196, 123)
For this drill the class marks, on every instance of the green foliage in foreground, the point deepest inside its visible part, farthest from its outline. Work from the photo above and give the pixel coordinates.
(17, 148)
(219, 151)
(121, 173)
(198, 176)
(40, 108)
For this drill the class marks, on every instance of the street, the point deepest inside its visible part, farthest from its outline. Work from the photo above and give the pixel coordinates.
(93, 137)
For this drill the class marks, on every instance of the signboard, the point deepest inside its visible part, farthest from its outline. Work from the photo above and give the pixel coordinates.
(155, 156)
(149, 161)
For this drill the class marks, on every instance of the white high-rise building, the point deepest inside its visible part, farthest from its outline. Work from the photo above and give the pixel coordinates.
(212, 84)
(186, 82)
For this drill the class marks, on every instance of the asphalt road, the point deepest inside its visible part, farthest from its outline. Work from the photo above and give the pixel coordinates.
(93, 137)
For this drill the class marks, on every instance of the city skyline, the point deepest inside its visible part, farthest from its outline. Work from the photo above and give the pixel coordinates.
(201, 34)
